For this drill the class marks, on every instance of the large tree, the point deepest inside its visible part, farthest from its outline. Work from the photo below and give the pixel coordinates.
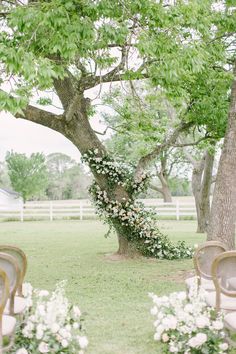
(223, 212)
(73, 46)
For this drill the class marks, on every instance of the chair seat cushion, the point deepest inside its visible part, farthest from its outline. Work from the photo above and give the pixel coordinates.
(205, 283)
(226, 302)
(19, 305)
(230, 320)
(8, 325)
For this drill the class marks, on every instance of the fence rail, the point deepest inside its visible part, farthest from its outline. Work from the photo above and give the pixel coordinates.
(84, 210)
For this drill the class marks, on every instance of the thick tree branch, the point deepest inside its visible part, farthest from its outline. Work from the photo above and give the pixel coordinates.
(155, 188)
(170, 141)
(42, 117)
(115, 74)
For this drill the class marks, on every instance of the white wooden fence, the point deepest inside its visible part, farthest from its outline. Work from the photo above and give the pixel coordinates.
(84, 210)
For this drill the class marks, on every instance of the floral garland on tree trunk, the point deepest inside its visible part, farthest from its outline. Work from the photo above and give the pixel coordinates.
(129, 217)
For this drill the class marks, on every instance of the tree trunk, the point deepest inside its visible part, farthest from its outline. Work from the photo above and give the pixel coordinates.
(196, 188)
(126, 248)
(201, 186)
(167, 197)
(204, 203)
(223, 210)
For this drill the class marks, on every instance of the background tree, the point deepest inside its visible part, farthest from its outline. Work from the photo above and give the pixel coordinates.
(72, 47)
(4, 178)
(140, 120)
(66, 178)
(202, 160)
(28, 175)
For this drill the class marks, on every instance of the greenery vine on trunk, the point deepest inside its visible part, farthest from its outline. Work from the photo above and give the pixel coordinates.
(127, 216)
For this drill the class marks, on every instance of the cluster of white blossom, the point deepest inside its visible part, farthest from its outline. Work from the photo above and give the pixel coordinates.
(139, 223)
(118, 172)
(186, 325)
(51, 324)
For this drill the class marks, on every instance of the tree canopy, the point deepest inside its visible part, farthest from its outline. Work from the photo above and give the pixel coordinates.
(28, 175)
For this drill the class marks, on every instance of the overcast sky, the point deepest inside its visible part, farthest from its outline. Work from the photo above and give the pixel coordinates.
(27, 137)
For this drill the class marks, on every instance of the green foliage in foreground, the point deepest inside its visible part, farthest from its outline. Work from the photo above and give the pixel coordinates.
(112, 294)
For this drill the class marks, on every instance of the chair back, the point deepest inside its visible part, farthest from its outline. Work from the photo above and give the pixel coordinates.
(4, 290)
(204, 256)
(224, 275)
(21, 260)
(9, 265)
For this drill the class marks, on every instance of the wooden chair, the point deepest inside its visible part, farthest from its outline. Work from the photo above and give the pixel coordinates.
(15, 304)
(21, 260)
(224, 277)
(7, 323)
(202, 259)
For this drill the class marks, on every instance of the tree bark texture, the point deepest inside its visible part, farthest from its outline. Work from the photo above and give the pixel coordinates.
(201, 187)
(223, 210)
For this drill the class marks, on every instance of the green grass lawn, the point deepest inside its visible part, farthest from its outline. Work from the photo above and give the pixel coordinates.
(112, 294)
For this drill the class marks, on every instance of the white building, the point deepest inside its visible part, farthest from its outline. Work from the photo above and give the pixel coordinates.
(10, 199)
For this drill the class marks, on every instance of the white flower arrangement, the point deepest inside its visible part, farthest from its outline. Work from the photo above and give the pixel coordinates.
(51, 324)
(134, 221)
(184, 324)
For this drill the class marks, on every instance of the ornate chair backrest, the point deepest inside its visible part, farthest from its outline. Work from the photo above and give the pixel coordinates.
(204, 256)
(9, 265)
(4, 290)
(224, 275)
(21, 260)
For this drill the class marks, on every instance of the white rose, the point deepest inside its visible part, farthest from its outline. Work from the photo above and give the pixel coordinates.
(224, 346)
(188, 308)
(43, 347)
(218, 325)
(83, 342)
(182, 295)
(55, 328)
(39, 334)
(64, 343)
(22, 351)
(63, 332)
(202, 321)
(173, 349)
(154, 311)
(165, 337)
(198, 340)
(76, 325)
(43, 293)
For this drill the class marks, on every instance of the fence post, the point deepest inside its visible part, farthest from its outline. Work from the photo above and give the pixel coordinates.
(177, 209)
(22, 213)
(51, 211)
(80, 210)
